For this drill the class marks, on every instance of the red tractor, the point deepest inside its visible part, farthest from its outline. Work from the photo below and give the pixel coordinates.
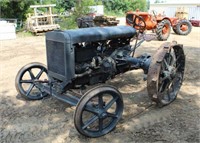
(161, 25)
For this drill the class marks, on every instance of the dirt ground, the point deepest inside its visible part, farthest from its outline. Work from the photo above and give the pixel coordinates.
(50, 120)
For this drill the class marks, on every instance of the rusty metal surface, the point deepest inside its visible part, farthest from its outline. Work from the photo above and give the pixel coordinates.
(155, 70)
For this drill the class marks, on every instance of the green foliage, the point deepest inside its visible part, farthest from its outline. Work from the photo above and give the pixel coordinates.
(81, 9)
(68, 22)
(19, 8)
(125, 5)
(15, 9)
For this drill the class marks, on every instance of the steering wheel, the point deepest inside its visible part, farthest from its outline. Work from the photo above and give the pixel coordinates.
(136, 21)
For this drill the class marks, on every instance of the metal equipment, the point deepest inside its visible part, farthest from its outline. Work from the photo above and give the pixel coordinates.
(90, 21)
(77, 59)
(161, 24)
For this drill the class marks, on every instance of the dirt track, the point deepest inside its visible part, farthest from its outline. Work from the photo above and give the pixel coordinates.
(50, 120)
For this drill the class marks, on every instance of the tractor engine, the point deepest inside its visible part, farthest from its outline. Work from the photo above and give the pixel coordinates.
(91, 55)
(99, 61)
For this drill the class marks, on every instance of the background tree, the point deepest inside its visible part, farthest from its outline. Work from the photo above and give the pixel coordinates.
(15, 9)
(122, 6)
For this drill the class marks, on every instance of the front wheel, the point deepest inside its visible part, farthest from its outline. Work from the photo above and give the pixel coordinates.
(98, 111)
(25, 81)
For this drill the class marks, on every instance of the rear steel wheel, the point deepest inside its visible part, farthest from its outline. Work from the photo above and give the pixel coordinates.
(165, 75)
(26, 79)
(98, 111)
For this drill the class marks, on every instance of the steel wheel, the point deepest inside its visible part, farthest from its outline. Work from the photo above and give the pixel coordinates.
(26, 79)
(98, 111)
(165, 75)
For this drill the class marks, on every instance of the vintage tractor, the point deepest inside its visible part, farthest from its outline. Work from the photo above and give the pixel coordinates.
(161, 24)
(82, 58)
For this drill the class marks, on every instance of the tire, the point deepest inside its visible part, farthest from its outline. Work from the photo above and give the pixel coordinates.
(163, 30)
(24, 81)
(180, 30)
(98, 111)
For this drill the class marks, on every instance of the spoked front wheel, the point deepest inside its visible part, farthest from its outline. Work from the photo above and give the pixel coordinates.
(98, 111)
(165, 75)
(26, 79)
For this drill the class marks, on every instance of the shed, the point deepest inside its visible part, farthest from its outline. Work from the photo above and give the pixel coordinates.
(7, 30)
(169, 9)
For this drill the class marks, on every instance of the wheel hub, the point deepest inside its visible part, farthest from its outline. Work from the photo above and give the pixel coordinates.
(103, 115)
(184, 27)
(173, 72)
(165, 29)
(169, 73)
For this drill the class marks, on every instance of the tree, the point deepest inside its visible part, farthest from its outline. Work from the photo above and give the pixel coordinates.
(15, 9)
(125, 5)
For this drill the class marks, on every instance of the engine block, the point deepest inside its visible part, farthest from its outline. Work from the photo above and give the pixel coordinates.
(90, 53)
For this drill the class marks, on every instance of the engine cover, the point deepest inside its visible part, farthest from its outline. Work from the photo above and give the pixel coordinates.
(61, 52)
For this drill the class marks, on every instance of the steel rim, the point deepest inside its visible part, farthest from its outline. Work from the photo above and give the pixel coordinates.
(28, 85)
(100, 114)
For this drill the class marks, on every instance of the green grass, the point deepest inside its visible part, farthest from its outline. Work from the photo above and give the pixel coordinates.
(24, 34)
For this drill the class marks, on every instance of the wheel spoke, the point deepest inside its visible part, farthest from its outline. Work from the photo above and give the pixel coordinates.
(161, 87)
(41, 93)
(90, 121)
(29, 90)
(100, 124)
(31, 74)
(166, 64)
(169, 57)
(91, 109)
(26, 81)
(111, 115)
(168, 94)
(40, 73)
(111, 103)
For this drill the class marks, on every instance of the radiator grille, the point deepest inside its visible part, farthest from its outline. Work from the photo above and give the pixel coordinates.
(55, 57)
